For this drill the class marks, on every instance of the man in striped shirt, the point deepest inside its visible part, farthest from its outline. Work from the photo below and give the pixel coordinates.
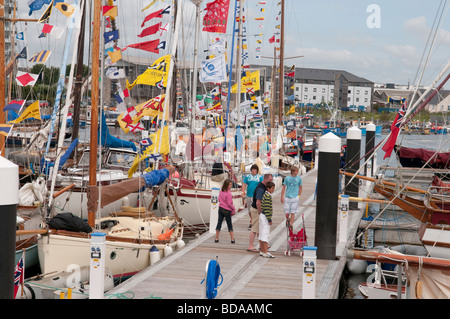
(265, 220)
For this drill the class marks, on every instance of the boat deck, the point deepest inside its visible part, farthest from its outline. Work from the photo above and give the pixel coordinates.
(245, 274)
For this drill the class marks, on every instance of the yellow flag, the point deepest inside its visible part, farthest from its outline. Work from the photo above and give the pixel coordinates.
(115, 55)
(31, 111)
(156, 74)
(291, 110)
(248, 83)
(65, 8)
(155, 148)
(160, 145)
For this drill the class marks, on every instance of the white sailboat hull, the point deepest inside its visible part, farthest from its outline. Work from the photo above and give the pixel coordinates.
(57, 252)
(194, 205)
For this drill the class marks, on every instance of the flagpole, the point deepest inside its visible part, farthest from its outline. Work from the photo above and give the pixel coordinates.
(281, 101)
(194, 73)
(230, 77)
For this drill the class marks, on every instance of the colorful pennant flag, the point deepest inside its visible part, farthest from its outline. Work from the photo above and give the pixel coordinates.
(150, 30)
(215, 19)
(46, 15)
(213, 70)
(24, 78)
(111, 36)
(23, 54)
(156, 73)
(5, 129)
(53, 30)
(110, 11)
(31, 111)
(40, 57)
(115, 55)
(150, 46)
(20, 36)
(65, 8)
(157, 14)
(14, 105)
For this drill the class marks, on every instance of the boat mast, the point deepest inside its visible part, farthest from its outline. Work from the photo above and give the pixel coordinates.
(94, 104)
(281, 83)
(194, 74)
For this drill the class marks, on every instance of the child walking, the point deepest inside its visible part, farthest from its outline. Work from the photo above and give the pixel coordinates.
(290, 195)
(265, 220)
(226, 209)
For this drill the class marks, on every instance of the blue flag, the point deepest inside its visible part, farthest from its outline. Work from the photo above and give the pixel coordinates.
(111, 36)
(37, 5)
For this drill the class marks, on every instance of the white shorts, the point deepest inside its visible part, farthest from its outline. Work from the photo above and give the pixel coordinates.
(291, 205)
(264, 228)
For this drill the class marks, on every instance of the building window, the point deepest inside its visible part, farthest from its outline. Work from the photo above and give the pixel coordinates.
(323, 90)
(314, 89)
(357, 99)
(305, 97)
(367, 92)
(365, 99)
(306, 89)
(314, 97)
(297, 88)
(332, 91)
(357, 91)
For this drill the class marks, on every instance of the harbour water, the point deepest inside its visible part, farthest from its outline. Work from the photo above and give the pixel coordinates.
(349, 282)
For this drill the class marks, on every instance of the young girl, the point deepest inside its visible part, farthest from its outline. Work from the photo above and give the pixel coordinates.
(226, 209)
(265, 220)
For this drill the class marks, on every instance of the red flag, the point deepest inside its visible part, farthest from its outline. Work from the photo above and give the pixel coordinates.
(272, 39)
(150, 30)
(157, 14)
(395, 129)
(215, 19)
(151, 46)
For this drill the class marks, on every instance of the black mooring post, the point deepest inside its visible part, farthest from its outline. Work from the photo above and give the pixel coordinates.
(9, 198)
(327, 196)
(352, 164)
(370, 144)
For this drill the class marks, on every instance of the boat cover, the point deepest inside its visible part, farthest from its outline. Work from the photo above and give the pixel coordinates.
(68, 221)
(439, 159)
(113, 192)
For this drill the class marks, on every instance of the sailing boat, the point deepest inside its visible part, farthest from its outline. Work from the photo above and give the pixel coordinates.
(129, 239)
(193, 190)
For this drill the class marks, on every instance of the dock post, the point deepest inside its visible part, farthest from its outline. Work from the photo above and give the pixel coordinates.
(309, 272)
(352, 163)
(370, 145)
(343, 220)
(327, 196)
(214, 210)
(9, 198)
(97, 269)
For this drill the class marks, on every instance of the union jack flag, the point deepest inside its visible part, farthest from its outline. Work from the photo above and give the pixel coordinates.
(400, 115)
(18, 275)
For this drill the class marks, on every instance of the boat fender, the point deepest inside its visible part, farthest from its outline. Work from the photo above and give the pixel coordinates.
(154, 255)
(418, 289)
(357, 267)
(180, 243)
(167, 250)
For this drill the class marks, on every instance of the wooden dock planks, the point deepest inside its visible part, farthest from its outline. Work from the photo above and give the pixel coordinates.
(245, 274)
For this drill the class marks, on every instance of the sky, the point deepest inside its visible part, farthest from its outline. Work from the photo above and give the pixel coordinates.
(382, 41)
